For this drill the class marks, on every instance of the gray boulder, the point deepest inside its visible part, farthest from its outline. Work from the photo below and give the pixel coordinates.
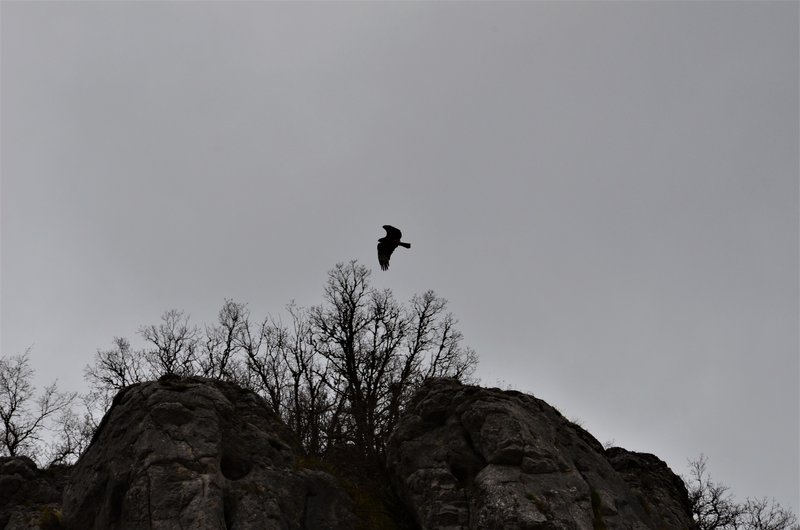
(465, 457)
(198, 453)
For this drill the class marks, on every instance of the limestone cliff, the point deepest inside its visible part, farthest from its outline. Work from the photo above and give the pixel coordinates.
(465, 457)
(196, 453)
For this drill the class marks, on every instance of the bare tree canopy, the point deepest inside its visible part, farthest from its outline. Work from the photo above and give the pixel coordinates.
(23, 414)
(173, 344)
(338, 373)
(714, 507)
(116, 368)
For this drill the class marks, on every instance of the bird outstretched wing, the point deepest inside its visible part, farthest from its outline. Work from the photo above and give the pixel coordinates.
(392, 233)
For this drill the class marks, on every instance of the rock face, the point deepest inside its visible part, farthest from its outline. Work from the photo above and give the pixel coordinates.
(196, 453)
(465, 457)
(654, 484)
(29, 496)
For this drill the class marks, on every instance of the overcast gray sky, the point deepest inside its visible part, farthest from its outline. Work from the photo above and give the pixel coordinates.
(606, 193)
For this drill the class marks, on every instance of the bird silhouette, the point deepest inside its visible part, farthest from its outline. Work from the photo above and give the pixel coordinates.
(388, 243)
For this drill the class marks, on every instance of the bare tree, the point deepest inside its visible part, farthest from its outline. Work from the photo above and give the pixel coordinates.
(72, 434)
(377, 352)
(308, 400)
(268, 374)
(337, 373)
(112, 370)
(437, 337)
(761, 514)
(174, 344)
(23, 414)
(348, 329)
(222, 346)
(714, 507)
(116, 368)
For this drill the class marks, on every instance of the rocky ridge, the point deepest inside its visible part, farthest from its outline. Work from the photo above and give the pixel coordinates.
(198, 453)
(465, 457)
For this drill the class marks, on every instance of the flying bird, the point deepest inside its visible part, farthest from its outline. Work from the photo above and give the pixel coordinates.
(388, 243)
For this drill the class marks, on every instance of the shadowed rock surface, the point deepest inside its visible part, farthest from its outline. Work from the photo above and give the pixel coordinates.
(465, 457)
(29, 497)
(655, 485)
(195, 453)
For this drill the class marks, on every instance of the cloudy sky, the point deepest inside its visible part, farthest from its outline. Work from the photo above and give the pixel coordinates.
(606, 193)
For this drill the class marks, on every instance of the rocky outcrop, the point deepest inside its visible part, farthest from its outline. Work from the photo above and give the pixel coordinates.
(466, 457)
(30, 497)
(197, 453)
(658, 489)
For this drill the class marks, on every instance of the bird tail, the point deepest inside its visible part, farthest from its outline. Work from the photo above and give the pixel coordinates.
(407, 245)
